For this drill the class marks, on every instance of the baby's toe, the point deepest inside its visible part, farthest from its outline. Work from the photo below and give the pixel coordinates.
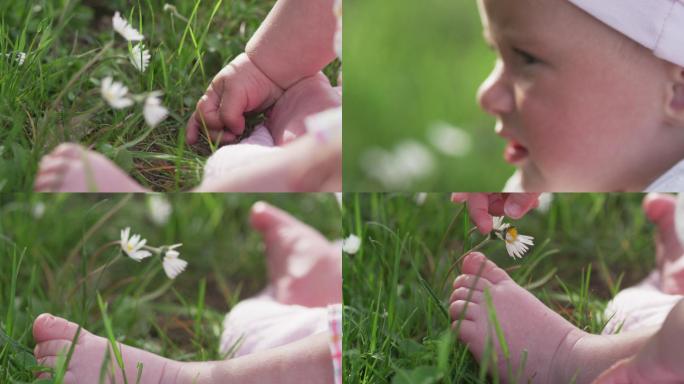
(463, 310)
(471, 282)
(51, 348)
(477, 264)
(463, 293)
(47, 327)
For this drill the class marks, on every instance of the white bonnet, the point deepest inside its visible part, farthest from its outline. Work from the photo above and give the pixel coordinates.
(656, 24)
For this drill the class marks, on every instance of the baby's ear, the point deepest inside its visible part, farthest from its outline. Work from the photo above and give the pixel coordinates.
(675, 99)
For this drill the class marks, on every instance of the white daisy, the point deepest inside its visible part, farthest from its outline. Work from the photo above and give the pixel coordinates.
(115, 93)
(153, 111)
(140, 57)
(19, 57)
(129, 33)
(516, 244)
(351, 244)
(133, 245)
(158, 208)
(173, 266)
(449, 140)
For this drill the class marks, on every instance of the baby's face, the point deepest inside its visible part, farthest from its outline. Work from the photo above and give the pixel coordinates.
(581, 106)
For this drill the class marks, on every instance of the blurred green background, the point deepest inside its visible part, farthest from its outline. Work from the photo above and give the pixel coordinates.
(410, 64)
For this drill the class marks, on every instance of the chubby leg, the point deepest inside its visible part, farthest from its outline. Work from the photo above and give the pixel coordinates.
(554, 350)
(307, 360)
(72, 168)
(304, 361)
(304, 267)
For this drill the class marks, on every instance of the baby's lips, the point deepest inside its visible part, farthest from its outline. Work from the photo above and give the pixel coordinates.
(515, 152)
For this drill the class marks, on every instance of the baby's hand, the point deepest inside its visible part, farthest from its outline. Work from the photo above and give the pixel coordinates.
(308, 96)
(238, 88)
(482, 206)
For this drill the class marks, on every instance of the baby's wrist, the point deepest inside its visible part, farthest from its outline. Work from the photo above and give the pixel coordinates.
(244, 63)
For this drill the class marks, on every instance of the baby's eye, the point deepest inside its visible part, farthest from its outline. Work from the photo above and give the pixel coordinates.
(527, 58)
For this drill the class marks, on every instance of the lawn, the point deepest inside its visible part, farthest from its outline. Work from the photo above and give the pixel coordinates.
(70, 46)
(410, 66)
(396, 288)
(48, 243)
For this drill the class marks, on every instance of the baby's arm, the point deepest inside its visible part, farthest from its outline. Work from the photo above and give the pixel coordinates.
(305, 361)
(295, 40)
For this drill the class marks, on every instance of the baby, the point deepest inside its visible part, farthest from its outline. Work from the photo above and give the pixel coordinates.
(647, 348)
(279, 71)
(589, 95)
(291, 333)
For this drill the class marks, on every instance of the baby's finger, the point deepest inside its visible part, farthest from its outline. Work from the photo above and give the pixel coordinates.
(207, 110)
(221, 137)
(518, 204)
(192, 130)
(459, 197)
(231, 112)
(478, 207)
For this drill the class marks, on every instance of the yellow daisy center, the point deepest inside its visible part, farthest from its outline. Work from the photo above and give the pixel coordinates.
(511, 235)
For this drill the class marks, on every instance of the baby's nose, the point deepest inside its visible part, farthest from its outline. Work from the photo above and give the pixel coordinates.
(495, 94)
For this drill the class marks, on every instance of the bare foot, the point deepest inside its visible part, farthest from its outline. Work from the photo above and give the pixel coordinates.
(529, 326)
(659, 361)
(304, 267)
(54, 335)
(72, 168)
(660, 208)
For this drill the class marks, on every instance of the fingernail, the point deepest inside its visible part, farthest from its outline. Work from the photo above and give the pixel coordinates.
(513, 210)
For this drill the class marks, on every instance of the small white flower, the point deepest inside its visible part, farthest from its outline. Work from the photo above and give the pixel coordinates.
(173, 266)
(679, 218)
(338, 197)
(133, 245)
(129, 33)
(545, 200)
(115, 93)
(449, 140)
(153, 111)
(351, 244)
(420, 198)
(516, 244)
(19, 57)
(38, 210)
(158, 209)
(140, 57)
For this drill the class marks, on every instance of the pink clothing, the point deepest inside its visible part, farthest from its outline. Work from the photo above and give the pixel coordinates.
(335, 324)
(643, 305)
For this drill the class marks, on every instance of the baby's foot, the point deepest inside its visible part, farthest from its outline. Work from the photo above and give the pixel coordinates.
(529, 326)
(72, 168)
(304, 267)
(660, 208)
(54, 335)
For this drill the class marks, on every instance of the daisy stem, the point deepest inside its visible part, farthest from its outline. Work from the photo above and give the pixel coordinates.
(471, 250)
(100, 268)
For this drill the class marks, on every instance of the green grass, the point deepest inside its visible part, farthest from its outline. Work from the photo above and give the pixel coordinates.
(43, 259)
(70, 45)
(396, 287)
(410, 64)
